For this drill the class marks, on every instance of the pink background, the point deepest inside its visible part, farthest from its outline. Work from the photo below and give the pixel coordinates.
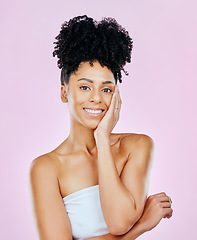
(158, 99)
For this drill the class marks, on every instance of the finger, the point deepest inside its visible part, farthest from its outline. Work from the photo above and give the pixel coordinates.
(162, 196)
(166, 204)
(118, 94)
(159, 194)
(167, 212)
(167, 199)
(117, 99)
(118, 109)
(118, 106)
(167, 216)
(113, 101)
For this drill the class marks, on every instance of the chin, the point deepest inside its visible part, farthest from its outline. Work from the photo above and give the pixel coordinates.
(92, 125)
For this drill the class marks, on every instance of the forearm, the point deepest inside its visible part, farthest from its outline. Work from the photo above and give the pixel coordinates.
(134, 233)
(117, 204)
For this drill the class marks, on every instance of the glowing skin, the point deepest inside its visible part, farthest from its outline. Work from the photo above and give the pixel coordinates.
(89, 90)
(119, 162)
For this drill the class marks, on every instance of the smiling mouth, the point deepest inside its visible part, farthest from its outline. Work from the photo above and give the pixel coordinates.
(93, 111)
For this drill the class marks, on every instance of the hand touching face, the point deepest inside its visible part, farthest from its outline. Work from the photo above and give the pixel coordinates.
(111, 117)
(89, 94)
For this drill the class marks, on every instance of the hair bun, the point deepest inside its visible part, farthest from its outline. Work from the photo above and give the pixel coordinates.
(84, 39)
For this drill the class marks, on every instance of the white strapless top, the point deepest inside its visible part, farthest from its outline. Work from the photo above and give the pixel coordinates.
(85, 213)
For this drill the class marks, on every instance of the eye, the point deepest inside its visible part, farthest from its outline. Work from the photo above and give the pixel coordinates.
(107, 90)
(84, 88)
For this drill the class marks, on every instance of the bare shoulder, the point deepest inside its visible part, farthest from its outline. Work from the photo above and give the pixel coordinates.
(44, 164)
(137, 140)
(136, 144)
(50, 214)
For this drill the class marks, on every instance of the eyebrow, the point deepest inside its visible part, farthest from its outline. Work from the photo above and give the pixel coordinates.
(91, 81)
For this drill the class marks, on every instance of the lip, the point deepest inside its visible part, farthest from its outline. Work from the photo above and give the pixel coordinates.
(94, 114)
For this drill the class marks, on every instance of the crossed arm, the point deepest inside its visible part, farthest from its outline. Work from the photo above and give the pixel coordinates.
(157, 206)
(127, 210)
(123, 198)
(51, 217)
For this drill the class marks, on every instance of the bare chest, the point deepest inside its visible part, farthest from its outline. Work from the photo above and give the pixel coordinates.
(79, 171)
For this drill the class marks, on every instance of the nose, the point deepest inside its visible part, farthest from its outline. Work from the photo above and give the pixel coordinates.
(95, 96)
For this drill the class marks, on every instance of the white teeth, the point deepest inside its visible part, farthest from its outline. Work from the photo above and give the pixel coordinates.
(93, 111)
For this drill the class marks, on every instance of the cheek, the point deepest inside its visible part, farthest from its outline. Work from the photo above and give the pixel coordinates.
(76, 99)
(80, 98)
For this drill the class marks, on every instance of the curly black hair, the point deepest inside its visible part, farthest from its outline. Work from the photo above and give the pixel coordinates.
(83, 39)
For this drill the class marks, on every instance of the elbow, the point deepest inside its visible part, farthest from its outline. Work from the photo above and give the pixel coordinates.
(117, 230)
(120, 227)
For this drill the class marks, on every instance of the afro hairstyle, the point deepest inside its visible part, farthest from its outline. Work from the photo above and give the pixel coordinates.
(83, 39)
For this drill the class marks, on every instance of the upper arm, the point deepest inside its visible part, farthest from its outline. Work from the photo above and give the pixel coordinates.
(50, 213)
(136, 172)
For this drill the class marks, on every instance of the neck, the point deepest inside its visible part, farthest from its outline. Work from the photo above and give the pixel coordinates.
(81, 137)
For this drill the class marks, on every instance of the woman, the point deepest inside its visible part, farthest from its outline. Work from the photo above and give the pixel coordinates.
(95, 183)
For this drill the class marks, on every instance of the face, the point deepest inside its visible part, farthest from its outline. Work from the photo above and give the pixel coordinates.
(89, 93)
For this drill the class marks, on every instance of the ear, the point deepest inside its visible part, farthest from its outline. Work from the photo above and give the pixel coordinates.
(64, 90)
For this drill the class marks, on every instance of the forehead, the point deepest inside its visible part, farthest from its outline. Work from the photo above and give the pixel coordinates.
(96, 73)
